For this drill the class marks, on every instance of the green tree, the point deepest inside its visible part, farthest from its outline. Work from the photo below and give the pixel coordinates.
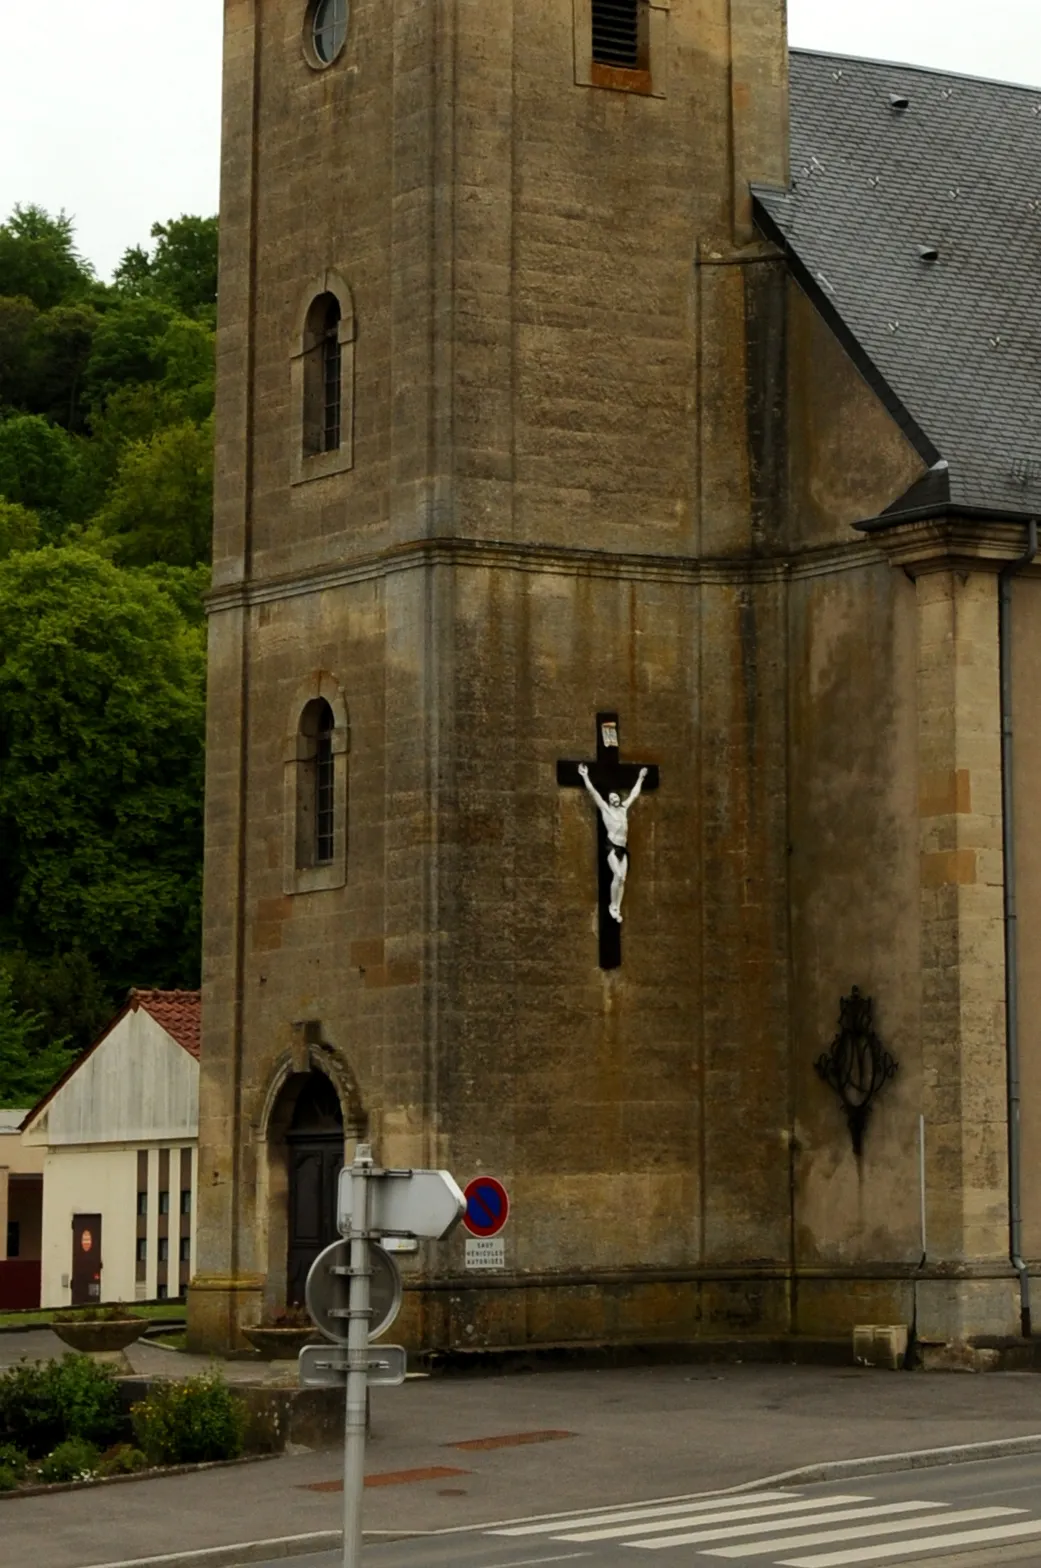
(30, 1061)
(65, 991)
(39, 468)
(19, 528)
(101, 761)
(18, 317)
(59, 351)
(39, 259)
(182, 267)
(160, 507)
(127, 347)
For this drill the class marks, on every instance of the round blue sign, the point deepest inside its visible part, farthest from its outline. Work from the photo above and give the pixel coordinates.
(487, 1206)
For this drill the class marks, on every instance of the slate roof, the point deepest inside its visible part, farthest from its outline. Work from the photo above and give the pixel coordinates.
(953, 345)
(179, 1012)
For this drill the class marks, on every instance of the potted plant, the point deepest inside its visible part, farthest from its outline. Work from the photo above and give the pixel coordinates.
(95, 1331)
(282, 1335)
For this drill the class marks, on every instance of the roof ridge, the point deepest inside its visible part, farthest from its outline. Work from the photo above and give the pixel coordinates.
(922, 70)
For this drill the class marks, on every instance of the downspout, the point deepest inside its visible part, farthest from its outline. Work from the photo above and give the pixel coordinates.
(1008, 850)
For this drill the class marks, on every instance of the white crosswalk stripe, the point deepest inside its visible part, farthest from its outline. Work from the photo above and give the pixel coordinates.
(728, 1515)
(843, 1529)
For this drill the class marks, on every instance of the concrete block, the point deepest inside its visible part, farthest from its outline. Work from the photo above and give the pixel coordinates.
(880, 1345)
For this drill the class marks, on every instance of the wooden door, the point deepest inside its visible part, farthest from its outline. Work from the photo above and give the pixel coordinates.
(86, 1259)
(314, 1168)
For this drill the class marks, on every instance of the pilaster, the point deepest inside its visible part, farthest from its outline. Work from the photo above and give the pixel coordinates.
(961, 879)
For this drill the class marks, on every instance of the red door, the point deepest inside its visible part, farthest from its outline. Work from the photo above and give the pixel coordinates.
(86, 1259)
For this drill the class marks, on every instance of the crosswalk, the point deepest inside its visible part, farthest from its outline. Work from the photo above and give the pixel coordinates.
(787, 1528)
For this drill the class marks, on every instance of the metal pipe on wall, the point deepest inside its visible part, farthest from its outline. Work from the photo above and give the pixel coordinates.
(1008, 849)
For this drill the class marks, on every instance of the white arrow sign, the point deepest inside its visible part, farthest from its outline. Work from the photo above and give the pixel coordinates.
(406, 1203)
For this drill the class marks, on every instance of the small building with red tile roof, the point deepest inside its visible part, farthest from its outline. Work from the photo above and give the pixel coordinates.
(119, 1133)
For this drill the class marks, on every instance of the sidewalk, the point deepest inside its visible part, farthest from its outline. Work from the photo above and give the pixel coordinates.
(635, 1433)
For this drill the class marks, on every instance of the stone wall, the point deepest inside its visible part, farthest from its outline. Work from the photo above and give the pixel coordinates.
(606, 457)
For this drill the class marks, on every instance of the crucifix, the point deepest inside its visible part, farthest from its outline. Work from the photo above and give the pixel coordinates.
(613, 786)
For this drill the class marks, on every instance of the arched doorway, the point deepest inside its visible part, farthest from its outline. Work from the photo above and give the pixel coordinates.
(315, 1147)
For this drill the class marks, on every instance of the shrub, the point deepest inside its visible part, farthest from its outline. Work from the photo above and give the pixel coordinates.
(15, 1460)
(124, 1459)
(8, 1479)
(72, 1460)
(43, 1403)
(191, 1422)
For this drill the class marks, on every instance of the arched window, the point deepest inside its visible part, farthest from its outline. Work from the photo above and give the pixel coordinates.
(323, 398)
(316, 794)
(316, 810)
(323, 383)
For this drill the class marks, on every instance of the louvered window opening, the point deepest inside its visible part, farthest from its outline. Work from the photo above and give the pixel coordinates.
(616, 33)
(325, 806)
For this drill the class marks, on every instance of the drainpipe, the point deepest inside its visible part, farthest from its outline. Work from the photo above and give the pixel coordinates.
(1008, 849)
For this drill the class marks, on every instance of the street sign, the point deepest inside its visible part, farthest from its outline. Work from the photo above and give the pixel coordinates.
(325, 1366)
(405, 1203)
(354, 1294)
(328, 1289)
(487, 1206)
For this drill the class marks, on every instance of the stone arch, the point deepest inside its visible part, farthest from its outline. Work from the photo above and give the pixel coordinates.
(301, 872)
(291, 1074)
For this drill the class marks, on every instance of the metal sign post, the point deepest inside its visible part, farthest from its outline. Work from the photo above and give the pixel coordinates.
(357, 1359)
(371, 1203)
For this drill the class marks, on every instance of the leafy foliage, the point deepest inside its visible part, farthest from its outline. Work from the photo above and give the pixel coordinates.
(160, 507)
(31, 1060)
(73, 1460)
(191, 1422)
(44, 1403)
(20, 528)
(101, 757)
(39, 260)
(182, 267)
(39, 468)
(106, 401)
(123, 1459)
(13, 1459)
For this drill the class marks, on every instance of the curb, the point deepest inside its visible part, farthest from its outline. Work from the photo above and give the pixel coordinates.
(243, 1552)
(153, 1473)
(883, 1464)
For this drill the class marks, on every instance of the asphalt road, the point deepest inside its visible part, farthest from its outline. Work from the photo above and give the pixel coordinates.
(971, 1515)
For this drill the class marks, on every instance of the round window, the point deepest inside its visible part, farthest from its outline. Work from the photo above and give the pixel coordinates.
(328, 29)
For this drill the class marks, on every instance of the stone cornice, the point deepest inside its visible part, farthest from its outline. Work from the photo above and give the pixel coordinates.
(950, 542)
(553, 560)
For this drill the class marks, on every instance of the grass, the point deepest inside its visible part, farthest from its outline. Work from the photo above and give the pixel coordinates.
(172, 1341)
(144, 1309)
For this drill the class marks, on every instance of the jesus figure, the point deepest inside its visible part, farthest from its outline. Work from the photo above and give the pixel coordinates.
(614, 812)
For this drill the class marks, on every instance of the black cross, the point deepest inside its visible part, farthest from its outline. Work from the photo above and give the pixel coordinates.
(608, 773)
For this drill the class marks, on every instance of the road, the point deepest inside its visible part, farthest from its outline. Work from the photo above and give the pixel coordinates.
(978, 1514)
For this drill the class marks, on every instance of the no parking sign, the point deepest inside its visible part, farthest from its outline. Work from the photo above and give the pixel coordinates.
(487, 1210)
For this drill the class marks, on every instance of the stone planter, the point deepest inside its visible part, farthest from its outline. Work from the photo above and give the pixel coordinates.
(104, 1340)
(101, 1338)
(279, 1344)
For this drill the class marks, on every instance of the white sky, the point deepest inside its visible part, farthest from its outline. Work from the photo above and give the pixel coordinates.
(111, 108)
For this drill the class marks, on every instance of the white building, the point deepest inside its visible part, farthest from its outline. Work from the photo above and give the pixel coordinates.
(119, 1137)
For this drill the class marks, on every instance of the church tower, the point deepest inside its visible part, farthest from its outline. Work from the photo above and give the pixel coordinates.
(491, 301)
